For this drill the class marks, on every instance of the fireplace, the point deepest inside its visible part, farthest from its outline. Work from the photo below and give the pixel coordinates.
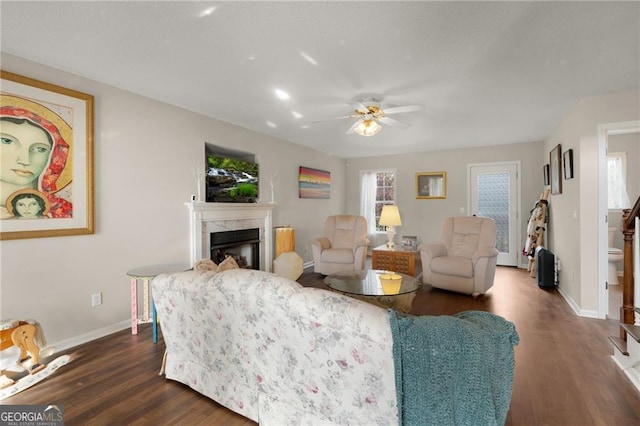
(207, 219)
(243, 245)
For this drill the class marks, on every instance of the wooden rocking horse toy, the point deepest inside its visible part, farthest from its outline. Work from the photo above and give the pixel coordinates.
(26, 336)
(26, 340)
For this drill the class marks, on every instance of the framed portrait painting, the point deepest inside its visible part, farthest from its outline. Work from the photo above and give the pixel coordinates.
(46, 179)
(555, 170)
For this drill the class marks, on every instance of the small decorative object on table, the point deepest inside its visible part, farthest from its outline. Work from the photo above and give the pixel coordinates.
(409, 241)
(199, 174)
(275, 179)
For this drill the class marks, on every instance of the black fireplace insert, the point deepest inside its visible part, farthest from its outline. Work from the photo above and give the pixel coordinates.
(243, 245)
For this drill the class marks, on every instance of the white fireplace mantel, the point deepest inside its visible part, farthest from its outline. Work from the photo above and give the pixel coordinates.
(206, 218)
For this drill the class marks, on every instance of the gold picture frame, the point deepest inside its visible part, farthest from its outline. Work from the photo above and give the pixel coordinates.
(431, 185)
(51, 194)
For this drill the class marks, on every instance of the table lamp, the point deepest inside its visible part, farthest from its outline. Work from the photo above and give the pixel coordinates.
(390, 283)
(390, 217)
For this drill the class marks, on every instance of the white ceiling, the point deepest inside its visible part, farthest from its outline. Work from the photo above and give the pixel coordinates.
(487, 73)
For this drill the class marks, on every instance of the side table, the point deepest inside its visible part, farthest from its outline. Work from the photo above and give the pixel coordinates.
(397, 259)
(146, 274)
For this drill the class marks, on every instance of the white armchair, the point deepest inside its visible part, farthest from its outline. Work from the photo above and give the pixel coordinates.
(465, 258)
(344, 246)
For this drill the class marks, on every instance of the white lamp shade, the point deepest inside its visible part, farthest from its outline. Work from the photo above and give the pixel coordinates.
(390, 216)
(368, 128)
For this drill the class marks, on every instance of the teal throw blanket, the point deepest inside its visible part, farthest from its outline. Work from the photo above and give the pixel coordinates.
(453, 370)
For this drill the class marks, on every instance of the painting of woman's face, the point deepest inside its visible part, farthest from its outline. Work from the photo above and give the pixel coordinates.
(28, 207)
(24, 153)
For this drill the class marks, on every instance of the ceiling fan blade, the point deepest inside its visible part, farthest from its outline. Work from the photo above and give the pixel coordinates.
(394, 123)
(359, 106)
(335, 118)
(408, 108)
(352, 129)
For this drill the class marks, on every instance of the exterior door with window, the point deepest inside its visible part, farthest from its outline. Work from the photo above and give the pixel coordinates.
(494, 193)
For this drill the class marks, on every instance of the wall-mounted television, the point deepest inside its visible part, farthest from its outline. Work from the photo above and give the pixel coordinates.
(230, 178)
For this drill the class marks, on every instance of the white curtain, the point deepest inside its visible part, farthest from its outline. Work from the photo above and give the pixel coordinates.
(368, 202)
(617, 188)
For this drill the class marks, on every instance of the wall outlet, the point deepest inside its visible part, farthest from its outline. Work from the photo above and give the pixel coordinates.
(96, 299)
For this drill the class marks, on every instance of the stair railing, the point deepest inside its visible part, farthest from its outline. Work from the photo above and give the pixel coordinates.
(628, 228)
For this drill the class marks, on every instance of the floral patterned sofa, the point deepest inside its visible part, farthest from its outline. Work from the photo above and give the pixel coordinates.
(276, 352)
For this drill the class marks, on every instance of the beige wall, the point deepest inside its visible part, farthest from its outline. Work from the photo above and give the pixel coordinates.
(574, 218)
(422, 217)
(144, 151)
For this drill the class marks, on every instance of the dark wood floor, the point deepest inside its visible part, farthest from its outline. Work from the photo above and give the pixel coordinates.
(564, 374)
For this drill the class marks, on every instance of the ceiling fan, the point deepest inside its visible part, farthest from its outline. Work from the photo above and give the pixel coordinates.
(371, 116)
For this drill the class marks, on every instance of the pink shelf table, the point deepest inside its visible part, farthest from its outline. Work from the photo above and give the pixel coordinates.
(146, 274)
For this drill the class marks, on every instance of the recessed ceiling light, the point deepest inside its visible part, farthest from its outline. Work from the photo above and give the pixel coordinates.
(272, 124)
(282, 94)
(208, 11)
(296, 114)
(308, 58)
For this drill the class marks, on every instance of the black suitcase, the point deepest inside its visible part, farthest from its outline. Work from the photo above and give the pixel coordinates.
(545, 274)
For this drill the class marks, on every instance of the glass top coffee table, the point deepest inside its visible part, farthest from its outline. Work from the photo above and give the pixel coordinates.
(382, 288)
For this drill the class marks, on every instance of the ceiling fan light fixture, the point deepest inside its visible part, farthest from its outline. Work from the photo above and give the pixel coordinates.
(368, 127)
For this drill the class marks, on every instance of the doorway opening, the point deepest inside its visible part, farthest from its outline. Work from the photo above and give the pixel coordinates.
(604, 132)
(494, 191)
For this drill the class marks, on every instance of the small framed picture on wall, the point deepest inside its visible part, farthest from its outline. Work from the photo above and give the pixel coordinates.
(567, 164)
(545, 174)
(555, 170)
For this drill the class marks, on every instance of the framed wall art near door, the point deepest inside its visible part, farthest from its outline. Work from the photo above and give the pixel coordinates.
(555, 170)
(46, 182)
(567, 164)
(545, 174)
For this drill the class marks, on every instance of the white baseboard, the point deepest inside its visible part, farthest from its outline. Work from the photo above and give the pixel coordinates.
(580, 312)
(92, 335)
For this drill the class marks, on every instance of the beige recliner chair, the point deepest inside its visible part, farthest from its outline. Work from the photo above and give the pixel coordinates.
(344, 246)
(465, 259)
